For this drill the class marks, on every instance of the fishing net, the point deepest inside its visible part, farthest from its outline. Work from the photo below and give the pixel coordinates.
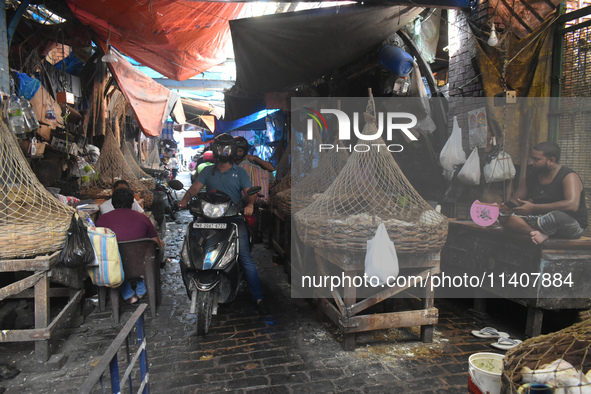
(112, 167)
(140, 174)
(319, 179)
(32, 221)
(541, 356)
(371, 189)
(153, 160)
(302, 163)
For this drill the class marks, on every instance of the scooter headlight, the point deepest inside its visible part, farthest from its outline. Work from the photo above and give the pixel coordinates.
(214, 211)
(211, 256)
(228, 256)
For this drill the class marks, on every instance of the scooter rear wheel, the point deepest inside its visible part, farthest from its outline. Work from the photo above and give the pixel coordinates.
(204, 311)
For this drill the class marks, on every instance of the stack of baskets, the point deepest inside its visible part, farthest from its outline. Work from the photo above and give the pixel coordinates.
(572, 344)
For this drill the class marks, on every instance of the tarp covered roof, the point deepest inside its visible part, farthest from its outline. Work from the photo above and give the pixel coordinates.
(148, 99)
(277, 52)
(178, 39)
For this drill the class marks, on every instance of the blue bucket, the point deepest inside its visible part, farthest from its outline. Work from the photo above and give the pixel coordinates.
(396, 60)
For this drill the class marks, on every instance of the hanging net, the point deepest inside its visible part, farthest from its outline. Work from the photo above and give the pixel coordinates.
(112, 167)
(283, 170)
(371, 189)
(144, 178)
(153, 160)
(32, 221)
(320, 178)
(302, 164)
(560, 359)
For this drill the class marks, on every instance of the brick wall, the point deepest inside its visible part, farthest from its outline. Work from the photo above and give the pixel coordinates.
(464, 81)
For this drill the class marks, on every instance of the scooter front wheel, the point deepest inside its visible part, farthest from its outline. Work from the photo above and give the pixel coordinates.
(204, 311)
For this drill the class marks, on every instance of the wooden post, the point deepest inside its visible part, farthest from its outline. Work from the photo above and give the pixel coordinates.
(42, 316)
(4, 67)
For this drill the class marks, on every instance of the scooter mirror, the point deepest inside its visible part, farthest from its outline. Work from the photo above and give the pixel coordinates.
(176, 184)
(253, 190)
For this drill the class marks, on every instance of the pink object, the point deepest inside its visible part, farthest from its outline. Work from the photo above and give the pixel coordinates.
(484, 214)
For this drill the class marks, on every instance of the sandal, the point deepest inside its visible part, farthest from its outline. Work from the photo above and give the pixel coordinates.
(132, 300)
(489, 332)
(506, 343)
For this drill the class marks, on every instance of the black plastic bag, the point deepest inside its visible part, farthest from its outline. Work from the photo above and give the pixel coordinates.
(77, 250)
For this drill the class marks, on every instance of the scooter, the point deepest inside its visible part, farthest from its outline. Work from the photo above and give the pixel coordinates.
(166, 190)
(209, 255)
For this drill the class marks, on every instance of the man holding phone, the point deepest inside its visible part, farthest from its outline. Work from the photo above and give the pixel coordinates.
(549, 202)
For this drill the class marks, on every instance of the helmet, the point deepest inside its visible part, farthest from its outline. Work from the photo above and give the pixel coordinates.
(208, 156)
(224, 148)
(242, 143)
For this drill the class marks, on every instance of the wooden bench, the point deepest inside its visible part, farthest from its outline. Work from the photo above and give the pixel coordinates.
(503, 256)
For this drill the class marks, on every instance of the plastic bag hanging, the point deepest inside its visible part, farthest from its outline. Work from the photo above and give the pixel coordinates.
(452, 153)
(470, 172)
(381, 260)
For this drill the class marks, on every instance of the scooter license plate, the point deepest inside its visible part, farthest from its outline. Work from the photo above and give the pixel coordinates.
(212, 226)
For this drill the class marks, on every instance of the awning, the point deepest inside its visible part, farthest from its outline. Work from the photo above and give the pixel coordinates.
(219, 126)
(178, 39)
(148, 99)
(277, 52)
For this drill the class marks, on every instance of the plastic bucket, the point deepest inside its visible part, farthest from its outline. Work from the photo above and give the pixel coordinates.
(485, 373)
(396, 60)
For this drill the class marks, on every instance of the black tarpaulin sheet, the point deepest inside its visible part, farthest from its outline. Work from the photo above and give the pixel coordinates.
(277, 52)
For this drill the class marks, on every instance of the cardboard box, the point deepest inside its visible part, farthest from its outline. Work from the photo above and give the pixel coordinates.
(39, 149)
(66, 97)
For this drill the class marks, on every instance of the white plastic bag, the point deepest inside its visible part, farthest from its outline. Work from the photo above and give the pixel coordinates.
(470, 172)
(380, 259)
(500, 168)
(452, 153)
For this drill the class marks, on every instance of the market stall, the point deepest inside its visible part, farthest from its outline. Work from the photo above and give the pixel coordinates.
(369, 192)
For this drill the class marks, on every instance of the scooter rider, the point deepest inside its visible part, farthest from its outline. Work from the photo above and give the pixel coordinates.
(227, 177)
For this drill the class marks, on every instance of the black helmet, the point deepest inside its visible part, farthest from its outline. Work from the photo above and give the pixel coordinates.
(224, 148)
(242, 143)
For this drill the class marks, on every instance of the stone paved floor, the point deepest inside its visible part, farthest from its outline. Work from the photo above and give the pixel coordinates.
(294, 350)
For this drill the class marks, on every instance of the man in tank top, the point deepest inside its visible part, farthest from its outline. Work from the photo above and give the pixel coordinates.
(550, 202)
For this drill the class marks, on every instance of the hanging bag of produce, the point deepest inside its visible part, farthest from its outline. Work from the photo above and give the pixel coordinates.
(107, 270)
(452, 153)
(381, 260)
(470, 172)
(500, 168)
(77, 251)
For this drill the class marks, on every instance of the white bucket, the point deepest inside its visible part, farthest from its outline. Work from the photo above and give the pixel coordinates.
(485, 371)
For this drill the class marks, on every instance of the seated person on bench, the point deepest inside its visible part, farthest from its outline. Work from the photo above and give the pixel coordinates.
(549, 202)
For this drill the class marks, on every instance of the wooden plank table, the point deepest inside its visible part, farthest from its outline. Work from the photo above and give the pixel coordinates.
(492, 251)
(346, 309)
(37, 286)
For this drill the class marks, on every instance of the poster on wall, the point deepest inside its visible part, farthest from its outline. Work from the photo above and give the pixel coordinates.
(477, 128)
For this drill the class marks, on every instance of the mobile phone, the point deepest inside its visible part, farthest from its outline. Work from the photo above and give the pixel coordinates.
(510, 204)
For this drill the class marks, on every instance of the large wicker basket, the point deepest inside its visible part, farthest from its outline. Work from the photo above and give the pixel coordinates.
(571, 344)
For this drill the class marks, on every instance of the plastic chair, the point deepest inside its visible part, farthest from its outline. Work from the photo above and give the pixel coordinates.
(139, 259)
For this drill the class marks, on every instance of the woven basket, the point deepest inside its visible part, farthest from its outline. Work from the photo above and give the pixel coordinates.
(571, 344)
(282, 201)
(26, 240)
(407, 237)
